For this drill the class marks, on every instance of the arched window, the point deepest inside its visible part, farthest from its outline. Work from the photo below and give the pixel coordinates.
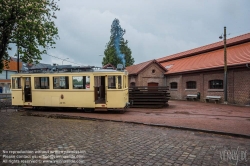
(173, 85)
(132, 84)
(216, 84)
(191, 85)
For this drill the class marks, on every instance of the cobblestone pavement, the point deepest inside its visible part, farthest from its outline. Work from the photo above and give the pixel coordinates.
(221, 118)
(113, 143)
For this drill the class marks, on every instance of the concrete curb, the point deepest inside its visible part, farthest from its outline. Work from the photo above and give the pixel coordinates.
(60, 116)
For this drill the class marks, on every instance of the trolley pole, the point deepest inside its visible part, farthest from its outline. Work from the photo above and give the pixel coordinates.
(225, 66)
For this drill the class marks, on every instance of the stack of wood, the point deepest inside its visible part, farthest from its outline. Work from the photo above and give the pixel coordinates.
(149, 96)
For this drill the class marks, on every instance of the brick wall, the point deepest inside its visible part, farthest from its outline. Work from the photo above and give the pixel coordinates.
(175, 93)
(132, 79)
(208, 76)
(190, 77)
(241, 87)
(238, 88)
(147, 76)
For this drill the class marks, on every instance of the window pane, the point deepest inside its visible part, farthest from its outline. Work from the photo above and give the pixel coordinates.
(16, 83)
(125, 81)
(81, 82)
(41, 82)
(132, 84)
(173, 85)
(119, 82)
(191, 85)
(61, 82)
(114, 82)
(216, 84)
(111, 82)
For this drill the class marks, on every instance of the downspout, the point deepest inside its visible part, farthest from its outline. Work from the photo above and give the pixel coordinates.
(165, 79)
(248, 68)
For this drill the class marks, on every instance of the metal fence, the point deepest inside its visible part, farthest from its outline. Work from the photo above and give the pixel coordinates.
(5, 95)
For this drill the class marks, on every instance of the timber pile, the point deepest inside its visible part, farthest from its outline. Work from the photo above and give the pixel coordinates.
(148, 97)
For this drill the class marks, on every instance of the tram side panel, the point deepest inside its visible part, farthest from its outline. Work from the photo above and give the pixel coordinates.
(117, 98)
(17, 91)
(16, 95)
(66, 98)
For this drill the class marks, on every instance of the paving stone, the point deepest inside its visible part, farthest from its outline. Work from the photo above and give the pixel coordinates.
(112, 143)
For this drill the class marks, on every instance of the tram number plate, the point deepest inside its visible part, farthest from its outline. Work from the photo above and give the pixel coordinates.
(62, 102)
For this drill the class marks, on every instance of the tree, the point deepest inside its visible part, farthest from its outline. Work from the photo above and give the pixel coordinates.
(28, 24)
(117, 50)
(77, 82)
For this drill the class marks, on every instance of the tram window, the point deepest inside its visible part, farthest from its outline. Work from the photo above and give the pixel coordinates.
(16, 83)
(119, 82)
(41, 82)
(81, 82)
(124, 81)
(114, 82)
(61, 82)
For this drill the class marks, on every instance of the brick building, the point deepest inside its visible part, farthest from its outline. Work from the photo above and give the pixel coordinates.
(150, 73)
(202, 70)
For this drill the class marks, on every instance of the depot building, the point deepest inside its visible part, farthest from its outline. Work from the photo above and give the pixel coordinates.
(200, 71)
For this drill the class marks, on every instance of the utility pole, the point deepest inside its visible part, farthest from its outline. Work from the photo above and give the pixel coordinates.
(225, 66)
(17, 58)
(17, 43)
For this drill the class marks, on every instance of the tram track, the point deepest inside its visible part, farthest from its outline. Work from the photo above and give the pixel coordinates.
(159, 113)
(188, 113)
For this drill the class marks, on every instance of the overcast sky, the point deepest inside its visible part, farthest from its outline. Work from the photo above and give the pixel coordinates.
(154, 28)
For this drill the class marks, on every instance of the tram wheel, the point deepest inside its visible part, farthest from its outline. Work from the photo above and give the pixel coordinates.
(123, 110)
(88, 110)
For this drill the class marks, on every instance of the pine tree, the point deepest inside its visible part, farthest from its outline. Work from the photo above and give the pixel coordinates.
(117, 50)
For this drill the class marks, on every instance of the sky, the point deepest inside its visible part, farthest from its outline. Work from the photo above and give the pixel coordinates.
(154, 28)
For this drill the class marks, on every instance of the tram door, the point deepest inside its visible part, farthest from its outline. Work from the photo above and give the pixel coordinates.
(100, 94)
(27, 89)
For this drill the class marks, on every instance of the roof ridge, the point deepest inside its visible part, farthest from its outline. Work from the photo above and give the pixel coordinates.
(236, 55)
(135, 69)
(146, 61)
(204, 48)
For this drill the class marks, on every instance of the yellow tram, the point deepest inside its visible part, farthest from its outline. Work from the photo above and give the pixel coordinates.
(80, 87)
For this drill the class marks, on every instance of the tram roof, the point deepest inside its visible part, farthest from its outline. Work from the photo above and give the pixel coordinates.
(68, 70)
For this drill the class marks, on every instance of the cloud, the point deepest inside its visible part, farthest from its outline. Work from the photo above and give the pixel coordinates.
(153, 28)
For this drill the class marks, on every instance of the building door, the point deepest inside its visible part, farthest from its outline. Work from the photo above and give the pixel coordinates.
(152, 84)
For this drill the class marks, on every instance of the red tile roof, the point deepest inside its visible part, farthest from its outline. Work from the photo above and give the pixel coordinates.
(236, 55)
(205, 57)
(136, 69)
(207, 48)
